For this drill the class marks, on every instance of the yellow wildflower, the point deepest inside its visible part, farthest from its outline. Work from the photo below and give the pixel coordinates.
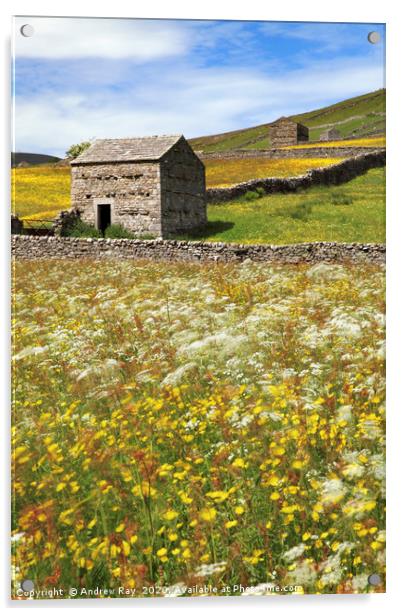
(208, 514)
(170, 514)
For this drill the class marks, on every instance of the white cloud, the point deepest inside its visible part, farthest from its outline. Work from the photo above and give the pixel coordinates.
(61, 38)
(188, 100)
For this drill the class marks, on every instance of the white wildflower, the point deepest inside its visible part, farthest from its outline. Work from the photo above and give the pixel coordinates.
(344, 413)
(345, 326)
(359, 582)
(353, 470)
(326, 271)
(332, 568)
(210, 569)
(303, 574)
(371, 429)
(175, 377)
(223, 341)
(333, 491)
(37, 350)
(294, 552)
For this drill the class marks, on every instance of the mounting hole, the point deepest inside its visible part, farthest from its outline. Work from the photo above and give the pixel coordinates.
(374, 579)
(27, 30)
(27, 585)
(373, 37)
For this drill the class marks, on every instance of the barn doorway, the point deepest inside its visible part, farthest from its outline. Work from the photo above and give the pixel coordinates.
(103, 217)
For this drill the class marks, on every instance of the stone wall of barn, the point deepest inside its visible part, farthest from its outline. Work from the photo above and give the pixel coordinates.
(283, 133)
(286, 132)
(183, 190)
(132, 190)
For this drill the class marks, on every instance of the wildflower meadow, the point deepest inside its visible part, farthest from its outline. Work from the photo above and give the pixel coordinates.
(177, 425)
(42, 191)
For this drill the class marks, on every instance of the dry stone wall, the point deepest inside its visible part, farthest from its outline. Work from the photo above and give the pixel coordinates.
(26, 247)
(334, 174)
(310, 152)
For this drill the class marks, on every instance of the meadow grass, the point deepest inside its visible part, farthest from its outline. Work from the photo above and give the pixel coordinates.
(352, 212)
(40, 191)
(366, 142)
(43, 191)
(221, 172)
(177, 424)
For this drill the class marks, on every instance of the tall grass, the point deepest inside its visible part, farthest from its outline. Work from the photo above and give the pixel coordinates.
(181, 424)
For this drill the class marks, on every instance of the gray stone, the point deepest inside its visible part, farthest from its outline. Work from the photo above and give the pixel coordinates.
(285, 131)
(26, 247)
(333, 174)
(150, 185)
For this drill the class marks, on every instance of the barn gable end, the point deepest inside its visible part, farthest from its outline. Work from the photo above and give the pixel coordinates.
(182, 189)
(285, 131)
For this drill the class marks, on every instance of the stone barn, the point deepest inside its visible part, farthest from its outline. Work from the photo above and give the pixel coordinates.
(285, 131)
(330, 134)
(149, 185)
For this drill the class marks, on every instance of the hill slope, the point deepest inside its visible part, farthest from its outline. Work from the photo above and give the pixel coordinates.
(359, 116)
(32, 159)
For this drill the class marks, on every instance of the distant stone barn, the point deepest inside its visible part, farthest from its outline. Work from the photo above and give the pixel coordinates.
(330, 134)
(149, 185)
(285, 131)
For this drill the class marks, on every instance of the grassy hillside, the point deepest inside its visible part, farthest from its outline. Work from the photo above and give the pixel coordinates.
(32, 159)
(359, 116)
(352, 212)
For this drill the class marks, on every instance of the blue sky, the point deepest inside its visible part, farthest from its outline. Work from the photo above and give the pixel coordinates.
(78, 79)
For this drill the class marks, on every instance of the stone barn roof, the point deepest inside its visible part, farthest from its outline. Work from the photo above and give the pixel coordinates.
(286, 120)
(127, 150)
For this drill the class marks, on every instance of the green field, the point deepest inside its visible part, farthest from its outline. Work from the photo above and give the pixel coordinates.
(358, 116)
(352, 212)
